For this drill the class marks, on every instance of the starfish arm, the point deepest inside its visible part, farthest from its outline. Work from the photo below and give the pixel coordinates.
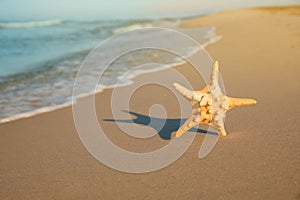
(188, 94)
(221, 130)
(184, 91)
(236, 102)
(219, 126)
(215, 74)
(188, 124)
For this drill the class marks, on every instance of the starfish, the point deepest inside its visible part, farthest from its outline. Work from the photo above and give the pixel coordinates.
(209, 106)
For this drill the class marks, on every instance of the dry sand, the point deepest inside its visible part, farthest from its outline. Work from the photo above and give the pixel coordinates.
(42, 157)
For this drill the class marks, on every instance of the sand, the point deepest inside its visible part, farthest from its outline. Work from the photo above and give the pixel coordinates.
(42, 157)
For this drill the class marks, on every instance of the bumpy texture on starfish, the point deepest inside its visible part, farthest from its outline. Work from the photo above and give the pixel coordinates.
(209, 105)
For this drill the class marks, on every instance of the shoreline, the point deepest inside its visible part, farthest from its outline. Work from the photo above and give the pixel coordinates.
(130, 80)
(42, 156)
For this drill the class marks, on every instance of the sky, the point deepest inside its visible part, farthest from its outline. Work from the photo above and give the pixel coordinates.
(120, 9)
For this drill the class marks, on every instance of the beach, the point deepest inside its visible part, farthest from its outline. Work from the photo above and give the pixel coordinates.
(42, 156)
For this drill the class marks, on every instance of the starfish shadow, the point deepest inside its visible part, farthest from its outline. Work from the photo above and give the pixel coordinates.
(164, 130)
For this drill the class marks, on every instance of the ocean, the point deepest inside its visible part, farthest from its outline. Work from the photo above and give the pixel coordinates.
(39, 59)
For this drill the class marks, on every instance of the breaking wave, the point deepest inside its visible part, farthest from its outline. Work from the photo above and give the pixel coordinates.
(30, 24)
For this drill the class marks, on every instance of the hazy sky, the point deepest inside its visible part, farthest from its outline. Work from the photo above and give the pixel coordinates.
(116, 9)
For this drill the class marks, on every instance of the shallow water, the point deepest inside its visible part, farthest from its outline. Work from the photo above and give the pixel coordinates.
(39, 60)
